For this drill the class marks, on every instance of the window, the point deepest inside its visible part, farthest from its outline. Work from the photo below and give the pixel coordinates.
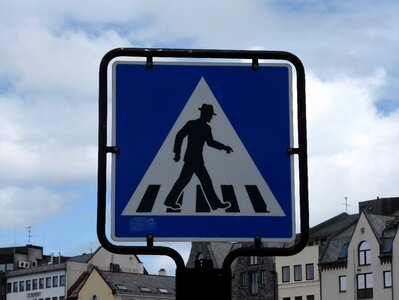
(309, 272)
(285, 271)
(28, 285)
(310, 297)
(364, 286)
(41, 283)
(163, 291)
(298, 298)
(243, 279)
(121, 287)
(263, 277)
(48, 282)
(144, 289)
(54, 298)
(343, 285)
(2, 268)
(253, 260)
(34, 284)
(55, 281)
(22, 286)
(298, 272)
(364, 254)
(15, 287)
(387, 279)
(62, 280)
(9, 287)
(388, 246)
(94, 297)
(48, 298)
(286, 298)
(254, 283)
(343, 254)
(9, 267)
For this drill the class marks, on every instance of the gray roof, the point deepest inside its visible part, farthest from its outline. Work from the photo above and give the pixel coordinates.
(219, 252)
(335, 245)
(379, 223)
(84, 258)
(34, 270)
(336, 242)
(333, 225)
(148, 286)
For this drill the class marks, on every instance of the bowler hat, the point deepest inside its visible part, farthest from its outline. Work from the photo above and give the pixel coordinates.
(207, 108)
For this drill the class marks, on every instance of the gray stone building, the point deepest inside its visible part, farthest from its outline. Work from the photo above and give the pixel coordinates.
(252, 277)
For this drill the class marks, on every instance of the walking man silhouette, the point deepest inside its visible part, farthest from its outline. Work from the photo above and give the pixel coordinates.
(198, 132)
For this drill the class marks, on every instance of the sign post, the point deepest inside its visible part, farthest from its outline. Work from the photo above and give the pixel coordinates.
(202, 151)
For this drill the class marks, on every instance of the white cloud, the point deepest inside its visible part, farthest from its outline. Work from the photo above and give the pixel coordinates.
(21, 207)
(49, 87)
(351, 146)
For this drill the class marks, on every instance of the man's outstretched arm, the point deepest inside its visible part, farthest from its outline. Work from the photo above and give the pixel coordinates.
(217, 145)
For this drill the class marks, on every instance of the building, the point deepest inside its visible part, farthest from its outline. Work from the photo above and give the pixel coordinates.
(44, 282)
(55, 278)
(123, 286)
(298, 276)
(15, 258)
(329, 267)
(361, 261)
(252, 277)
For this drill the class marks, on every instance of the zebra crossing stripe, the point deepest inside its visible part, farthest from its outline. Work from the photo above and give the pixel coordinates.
(149, 197)
(202, 206)
(256, 198)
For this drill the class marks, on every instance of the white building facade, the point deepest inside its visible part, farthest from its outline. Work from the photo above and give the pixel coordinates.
(44, 283)
(365, 266)
(298, 276)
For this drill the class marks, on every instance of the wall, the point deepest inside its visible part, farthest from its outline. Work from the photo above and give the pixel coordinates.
(59, 291)
(364, 232)
(128, 263)
(304, 287)
(95, 283)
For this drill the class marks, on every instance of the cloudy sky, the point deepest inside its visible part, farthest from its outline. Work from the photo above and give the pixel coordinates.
(49, 59)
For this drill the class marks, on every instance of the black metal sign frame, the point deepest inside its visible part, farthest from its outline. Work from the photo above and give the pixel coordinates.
(300, 151)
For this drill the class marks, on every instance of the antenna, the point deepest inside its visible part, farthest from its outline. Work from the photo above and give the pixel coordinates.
(29, 236)
(346, 204)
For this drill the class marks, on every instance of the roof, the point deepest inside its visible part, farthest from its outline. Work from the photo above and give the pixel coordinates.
(41, 269)
(155, 286)
(18, 249)
(379, 223)
(333, 225)
(332, 254)
(335, 245)
(84, 258)
(73, 291)
(219, 250)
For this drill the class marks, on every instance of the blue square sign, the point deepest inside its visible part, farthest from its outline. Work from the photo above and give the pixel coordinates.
(202, 152)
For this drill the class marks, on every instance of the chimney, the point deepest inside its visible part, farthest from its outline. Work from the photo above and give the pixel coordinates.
(162, 272)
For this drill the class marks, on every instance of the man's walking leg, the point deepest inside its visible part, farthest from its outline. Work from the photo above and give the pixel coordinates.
(181, 182)
(207, 186)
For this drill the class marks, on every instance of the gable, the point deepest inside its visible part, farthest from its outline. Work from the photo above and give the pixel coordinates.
(95, 285)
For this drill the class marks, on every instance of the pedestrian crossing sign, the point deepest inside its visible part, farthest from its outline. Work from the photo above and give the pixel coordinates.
(202, 151)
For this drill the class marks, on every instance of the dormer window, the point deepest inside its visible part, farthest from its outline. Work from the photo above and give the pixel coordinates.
(364, 254)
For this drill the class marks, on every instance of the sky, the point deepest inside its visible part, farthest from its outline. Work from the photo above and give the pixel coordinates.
(50, 53)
